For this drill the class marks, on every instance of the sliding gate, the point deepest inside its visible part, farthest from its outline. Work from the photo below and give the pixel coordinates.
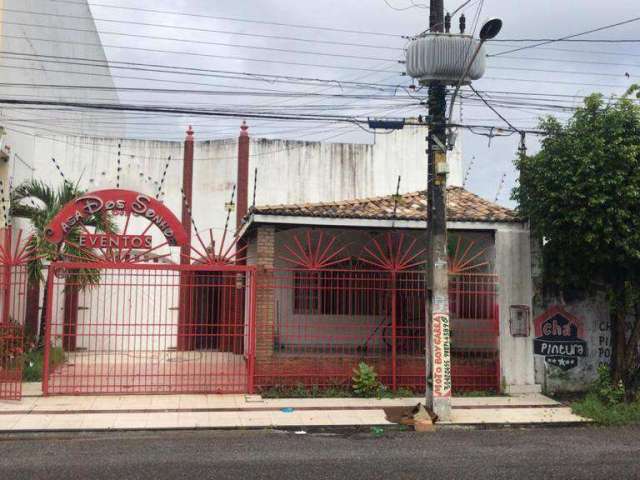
(149, 328)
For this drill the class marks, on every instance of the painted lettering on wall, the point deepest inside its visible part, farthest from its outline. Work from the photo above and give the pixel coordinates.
(117, 202)
(440, 332)
(558, 338)
(119, 242)
(604, 344)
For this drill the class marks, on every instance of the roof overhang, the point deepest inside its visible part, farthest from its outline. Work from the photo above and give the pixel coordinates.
(372, 223)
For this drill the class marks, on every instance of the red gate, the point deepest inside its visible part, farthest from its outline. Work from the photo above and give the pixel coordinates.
(15, 253)
(149, 328)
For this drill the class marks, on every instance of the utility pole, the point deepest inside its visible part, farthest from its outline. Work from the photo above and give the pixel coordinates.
(438, 352)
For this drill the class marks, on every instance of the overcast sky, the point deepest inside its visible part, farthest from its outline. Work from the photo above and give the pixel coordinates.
(586, 68)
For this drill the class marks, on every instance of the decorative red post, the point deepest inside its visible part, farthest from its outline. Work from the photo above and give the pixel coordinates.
(187, 189)
(185, 317)
(236, 322)
(243, 175)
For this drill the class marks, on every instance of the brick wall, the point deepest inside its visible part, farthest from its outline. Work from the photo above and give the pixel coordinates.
(265, 295)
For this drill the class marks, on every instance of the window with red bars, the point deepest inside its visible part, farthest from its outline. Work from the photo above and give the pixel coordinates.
(333, 292)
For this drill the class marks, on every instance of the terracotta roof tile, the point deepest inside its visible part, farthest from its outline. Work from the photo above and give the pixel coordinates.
(461, 206)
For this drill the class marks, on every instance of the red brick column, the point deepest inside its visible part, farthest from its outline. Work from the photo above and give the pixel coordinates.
(265, 295)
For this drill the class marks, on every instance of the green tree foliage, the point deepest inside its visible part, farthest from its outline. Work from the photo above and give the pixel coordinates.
(40, 203)
(581, 192)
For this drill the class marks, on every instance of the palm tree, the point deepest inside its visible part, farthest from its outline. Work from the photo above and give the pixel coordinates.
(40, 203)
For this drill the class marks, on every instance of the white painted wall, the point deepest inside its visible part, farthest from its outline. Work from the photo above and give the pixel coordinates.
(19, 43)
(513, 266)
(129, 311)
(288, 171)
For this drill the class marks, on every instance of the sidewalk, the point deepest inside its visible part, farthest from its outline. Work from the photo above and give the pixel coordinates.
(150, 412)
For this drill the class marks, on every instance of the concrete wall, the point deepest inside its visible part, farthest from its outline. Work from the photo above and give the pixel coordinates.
(288, 171)
(513, 266)
(593, 312)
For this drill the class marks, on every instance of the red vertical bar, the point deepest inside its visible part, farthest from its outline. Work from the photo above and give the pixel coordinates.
(394, 337)
(252, 331)
(47, 335)
(6, 307)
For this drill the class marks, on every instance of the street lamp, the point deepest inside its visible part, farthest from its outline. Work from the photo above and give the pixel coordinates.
(489, 30)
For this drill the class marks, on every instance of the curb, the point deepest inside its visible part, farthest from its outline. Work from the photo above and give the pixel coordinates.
(308, 429)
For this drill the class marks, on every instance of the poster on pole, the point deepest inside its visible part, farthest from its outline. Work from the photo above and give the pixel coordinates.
(441, 352)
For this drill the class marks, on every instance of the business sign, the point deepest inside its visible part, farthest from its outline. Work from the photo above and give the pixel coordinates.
(440, 331)
(559, 338)
(116, 202)
(117, 242)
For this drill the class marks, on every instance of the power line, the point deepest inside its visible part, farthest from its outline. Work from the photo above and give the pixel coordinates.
(599, 29)
(493, 109)
(555, 82)
(192, 71)
(229, 19)
(185, 111)
(564, 60)
(210, 113)
(272, 93)
(400, 9)
(552, 40)
(563, 72)
(461, 7)
(204, 30)
(199, 42)
(293, 80)
(584, 52)
(226, 107)
(252, 155)
(207, 55)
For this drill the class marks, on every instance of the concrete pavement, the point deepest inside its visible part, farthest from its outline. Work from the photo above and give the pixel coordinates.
(159, 412)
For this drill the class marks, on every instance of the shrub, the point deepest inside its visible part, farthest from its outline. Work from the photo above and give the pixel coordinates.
(34, 361)
(301, 391)
(593, 407)
(365, 381)
(606, 389)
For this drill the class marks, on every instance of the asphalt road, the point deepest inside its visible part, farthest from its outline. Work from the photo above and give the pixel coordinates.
(563, 453)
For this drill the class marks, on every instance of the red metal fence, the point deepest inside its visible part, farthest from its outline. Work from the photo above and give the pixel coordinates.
(475, 330)
(14, 256)
(148, 329)
(317, 325)
(11, 360)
